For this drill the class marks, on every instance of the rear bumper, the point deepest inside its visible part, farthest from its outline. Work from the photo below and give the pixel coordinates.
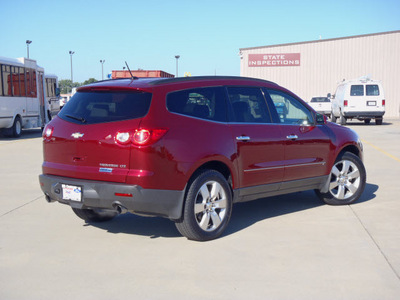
(363, 114)
(99, 194)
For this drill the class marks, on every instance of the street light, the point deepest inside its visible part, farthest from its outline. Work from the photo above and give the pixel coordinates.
(72, 78)
(177, 57)
(102, 61)
(28, 42)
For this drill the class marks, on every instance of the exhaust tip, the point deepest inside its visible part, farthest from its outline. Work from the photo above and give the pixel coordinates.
(48, 199)
(119, 208)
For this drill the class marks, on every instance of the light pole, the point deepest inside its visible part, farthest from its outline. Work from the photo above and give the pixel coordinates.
(177, 57)
(102, 61)
(28, 42)
(72, 78)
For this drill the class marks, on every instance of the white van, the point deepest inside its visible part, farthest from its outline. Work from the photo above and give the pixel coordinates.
(361, 99)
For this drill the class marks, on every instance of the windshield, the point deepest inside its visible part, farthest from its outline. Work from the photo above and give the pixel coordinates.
(102, 107)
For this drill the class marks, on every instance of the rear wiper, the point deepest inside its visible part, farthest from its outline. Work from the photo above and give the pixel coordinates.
(77, 118)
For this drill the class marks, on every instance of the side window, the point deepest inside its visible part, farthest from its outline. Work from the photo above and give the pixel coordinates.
(204, 103)
(372, 90)
(6, 70)
(357, 90)
(289, 109)
(248, 105)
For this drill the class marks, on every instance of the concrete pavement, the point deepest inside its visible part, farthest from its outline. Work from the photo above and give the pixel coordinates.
(287, 247)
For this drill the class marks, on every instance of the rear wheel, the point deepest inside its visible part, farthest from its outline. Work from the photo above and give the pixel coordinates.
(378, 121)
(367, 121)
(208, 207)
(347, 183)
(94, 215)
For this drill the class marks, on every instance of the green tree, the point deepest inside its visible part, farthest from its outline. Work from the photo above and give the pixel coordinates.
(66, 85)
(89, 81)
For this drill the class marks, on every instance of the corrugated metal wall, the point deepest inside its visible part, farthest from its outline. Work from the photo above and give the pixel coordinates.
(324, 63)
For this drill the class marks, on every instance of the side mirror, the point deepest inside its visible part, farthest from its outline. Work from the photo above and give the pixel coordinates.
(321, 119)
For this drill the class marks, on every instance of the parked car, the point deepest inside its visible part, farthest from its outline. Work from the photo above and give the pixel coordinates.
(361, 99)
(321, 105)
(189, 148)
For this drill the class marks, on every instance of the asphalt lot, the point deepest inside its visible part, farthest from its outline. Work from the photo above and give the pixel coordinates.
(287, 247)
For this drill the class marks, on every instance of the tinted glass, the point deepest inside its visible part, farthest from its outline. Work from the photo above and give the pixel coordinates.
(204, 103)
(357, 90)
(6, 72)
(22, 81)
(101, 107)
(289, 109)
(320, 99)
(372, 90)
(248, 105)
(15, 81)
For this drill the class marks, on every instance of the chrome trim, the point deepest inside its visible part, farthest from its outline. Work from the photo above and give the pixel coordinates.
(243, 138)
(288, 166)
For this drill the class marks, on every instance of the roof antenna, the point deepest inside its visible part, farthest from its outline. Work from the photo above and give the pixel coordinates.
(133, 77)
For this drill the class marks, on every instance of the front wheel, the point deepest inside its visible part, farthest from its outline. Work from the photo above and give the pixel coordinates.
(208, 207)
(348, 177)
(94, 215)
(342, 119)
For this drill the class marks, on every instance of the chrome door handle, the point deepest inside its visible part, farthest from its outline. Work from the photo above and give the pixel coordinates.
(292, 137)
(243, 138)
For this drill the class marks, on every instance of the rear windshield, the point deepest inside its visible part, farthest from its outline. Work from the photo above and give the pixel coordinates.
(320, 99)
(357, 90)
(372, 90)
(101, 107)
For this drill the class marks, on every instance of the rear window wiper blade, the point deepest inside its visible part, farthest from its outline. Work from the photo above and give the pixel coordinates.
(83, 120)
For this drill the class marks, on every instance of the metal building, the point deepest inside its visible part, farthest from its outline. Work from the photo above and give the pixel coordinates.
(315, 68)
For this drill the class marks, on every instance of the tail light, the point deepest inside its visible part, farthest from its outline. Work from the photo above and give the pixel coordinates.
(383, 102)
(48, 132)
(140, 137)
(346, 103)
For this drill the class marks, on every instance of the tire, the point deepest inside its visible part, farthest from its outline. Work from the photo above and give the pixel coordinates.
(333, 118)
(95, 215)
(367, 121)
(378, 121)
(348, 177)
(208, 207)
(342, 119)
(15, 130)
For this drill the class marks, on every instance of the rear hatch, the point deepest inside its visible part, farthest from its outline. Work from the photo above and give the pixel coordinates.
(82, 141)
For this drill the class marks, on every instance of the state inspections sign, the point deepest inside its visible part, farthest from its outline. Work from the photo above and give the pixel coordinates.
(274, 60)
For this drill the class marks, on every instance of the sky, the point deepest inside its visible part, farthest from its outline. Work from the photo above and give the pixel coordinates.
(149, 34)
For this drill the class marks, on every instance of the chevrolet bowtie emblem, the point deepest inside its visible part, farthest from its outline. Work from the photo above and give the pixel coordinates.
(77, 135)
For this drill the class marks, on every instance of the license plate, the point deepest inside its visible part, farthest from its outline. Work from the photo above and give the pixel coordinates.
(371, 103)
(71, 192)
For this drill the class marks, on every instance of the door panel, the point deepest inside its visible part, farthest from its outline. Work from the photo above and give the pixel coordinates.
(307, 146)
(259, 153)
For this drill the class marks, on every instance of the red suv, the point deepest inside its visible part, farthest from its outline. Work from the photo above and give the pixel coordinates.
(188, 148)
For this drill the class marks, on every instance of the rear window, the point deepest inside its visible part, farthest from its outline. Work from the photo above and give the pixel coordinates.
(357, 90)
(372, 90)
(102, 107)
(320, 99)
(204, 103)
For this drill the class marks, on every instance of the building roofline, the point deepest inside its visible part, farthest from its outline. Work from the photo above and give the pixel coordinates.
(320, 41)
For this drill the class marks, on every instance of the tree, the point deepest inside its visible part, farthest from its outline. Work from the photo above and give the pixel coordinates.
(66, 85)
(89, 81)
